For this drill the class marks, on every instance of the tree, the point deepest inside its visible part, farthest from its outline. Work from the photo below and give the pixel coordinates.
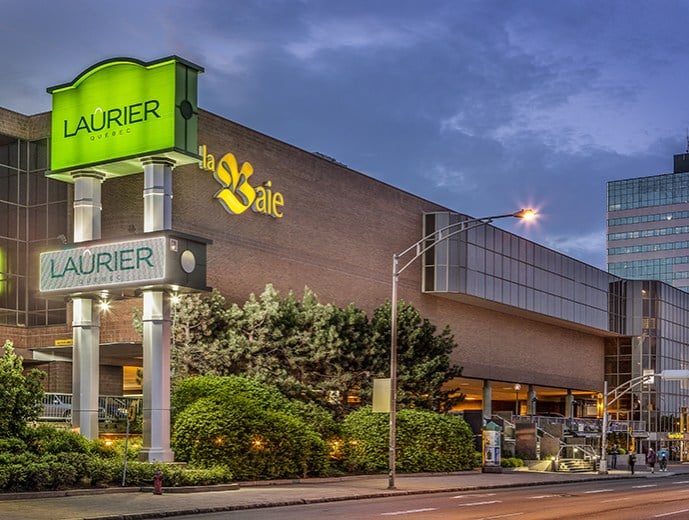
(423, 358)
(312, 351)
(20, 395)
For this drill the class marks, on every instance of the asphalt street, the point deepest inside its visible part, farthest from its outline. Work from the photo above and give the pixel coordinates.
(137, 503)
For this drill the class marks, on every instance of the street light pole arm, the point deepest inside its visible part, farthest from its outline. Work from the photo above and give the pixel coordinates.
(438, 236)
(627, 387)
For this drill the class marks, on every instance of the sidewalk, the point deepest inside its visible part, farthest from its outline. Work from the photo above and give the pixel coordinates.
(135, 503)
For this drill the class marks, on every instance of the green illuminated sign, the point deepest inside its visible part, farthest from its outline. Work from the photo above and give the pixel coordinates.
(121, 110)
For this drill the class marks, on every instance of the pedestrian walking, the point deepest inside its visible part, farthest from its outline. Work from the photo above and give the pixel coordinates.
(651, 459)
(613, 456)
(662, 459)
(632, 460)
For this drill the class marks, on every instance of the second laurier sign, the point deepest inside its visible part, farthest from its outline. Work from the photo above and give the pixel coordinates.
(104, 266)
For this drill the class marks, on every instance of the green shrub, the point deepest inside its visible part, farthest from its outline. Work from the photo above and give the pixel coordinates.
(49, 440)
(426, 441)
(220, 388)
(12, 445)
(511, 462)
(251, 442)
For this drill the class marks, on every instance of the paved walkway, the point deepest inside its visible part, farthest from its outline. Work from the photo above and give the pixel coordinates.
(135, 503)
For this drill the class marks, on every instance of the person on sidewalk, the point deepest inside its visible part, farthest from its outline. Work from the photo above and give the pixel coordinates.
(613, 456)
(651, 459)
(663, 455)
(632, 460)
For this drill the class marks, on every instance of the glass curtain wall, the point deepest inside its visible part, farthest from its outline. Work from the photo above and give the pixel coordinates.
(33, 218)
(496, 265)
(663, 344)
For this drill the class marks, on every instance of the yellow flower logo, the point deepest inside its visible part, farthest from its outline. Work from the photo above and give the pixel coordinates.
(236, 195)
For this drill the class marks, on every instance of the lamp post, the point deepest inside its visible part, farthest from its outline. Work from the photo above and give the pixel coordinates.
(415, 251)
(619, 391)
(517, 387)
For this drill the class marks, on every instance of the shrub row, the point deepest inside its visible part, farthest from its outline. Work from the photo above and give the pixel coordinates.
(231, 428)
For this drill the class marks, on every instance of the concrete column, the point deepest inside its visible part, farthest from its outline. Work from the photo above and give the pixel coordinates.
(157, 194)
(156, 322)
(85, 366)
(532, 397)
(569, 404)
(85, 320)
(156, 384)
(487, 401)
(87, 205)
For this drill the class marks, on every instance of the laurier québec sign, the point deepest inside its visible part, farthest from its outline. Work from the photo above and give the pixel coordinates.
(121, 110)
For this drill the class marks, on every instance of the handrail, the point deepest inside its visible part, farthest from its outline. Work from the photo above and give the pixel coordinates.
(58, 407)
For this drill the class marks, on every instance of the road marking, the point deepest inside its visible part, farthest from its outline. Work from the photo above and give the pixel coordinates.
(484, 503)
(615, 500)
(671, 513)
(645, 486)
(409, 511)
(476, 495)
(598, 491)
(545, 496)
(682, 482)
(499, 516)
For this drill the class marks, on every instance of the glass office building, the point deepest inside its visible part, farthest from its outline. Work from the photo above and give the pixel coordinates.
(648, 226)
(659, 344)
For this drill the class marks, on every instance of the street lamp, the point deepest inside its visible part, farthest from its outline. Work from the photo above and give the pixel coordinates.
(416, 250)
(619, 391)
(517, 387)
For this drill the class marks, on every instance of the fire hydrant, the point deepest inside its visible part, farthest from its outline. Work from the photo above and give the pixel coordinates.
(158, 483)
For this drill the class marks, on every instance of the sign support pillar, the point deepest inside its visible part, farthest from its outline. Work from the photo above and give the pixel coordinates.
(487, 401)
(156, 321)
(85, 319)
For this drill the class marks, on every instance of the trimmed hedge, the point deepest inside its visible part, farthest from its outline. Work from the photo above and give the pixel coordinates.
(49, 458)
(251, 442)
(426, 441)
(221, 388)
(511, 462)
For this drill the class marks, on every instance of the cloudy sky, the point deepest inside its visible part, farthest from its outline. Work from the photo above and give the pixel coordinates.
(482, 106)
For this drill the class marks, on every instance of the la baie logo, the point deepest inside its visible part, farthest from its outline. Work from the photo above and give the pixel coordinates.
(237, 194)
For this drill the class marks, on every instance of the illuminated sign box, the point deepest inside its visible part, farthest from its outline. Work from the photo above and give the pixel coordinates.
(158, 260)
(122, 110)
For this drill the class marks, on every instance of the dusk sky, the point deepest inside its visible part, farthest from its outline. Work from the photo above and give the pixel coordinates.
(481, 106)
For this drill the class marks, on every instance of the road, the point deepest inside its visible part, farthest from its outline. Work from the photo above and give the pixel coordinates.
(601, 500)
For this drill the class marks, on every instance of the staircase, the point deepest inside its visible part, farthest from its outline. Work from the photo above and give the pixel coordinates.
(576, 465)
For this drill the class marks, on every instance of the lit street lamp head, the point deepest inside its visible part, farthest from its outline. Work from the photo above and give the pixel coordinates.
(526, 214)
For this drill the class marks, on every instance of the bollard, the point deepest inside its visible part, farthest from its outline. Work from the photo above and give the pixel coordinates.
(158, 483)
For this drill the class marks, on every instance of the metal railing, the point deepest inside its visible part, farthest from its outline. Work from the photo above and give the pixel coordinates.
(58, 407)
(582, 426)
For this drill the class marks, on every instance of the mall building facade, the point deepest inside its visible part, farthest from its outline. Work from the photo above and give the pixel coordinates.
(523, 316)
